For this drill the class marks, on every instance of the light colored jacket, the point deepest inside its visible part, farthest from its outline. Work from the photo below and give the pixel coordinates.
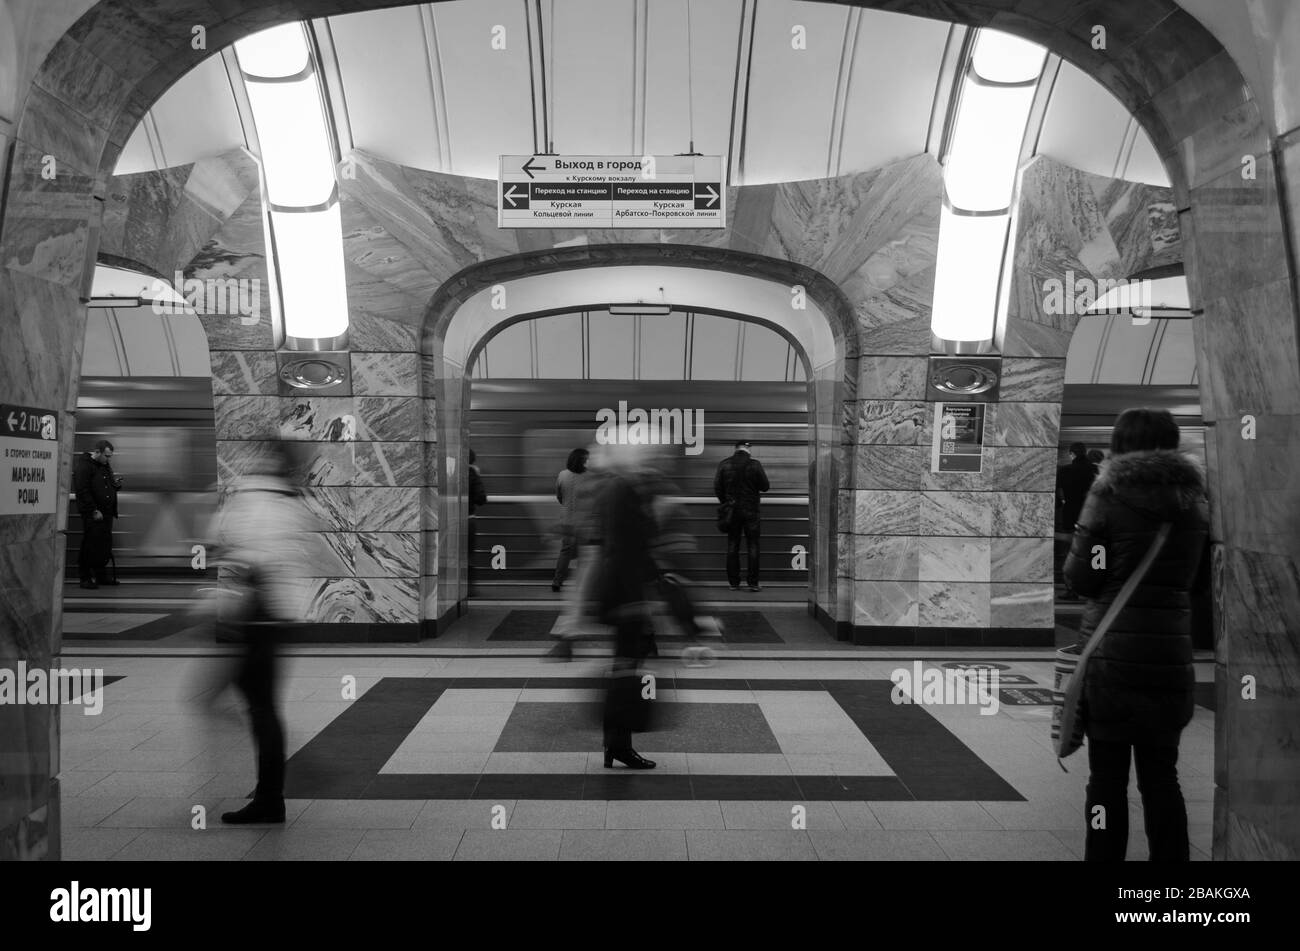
(260, 534)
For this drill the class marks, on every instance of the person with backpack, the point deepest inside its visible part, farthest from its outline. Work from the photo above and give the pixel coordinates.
(738, 484)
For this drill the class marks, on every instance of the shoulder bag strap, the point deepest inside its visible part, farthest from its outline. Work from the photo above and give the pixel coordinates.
(1126, 592)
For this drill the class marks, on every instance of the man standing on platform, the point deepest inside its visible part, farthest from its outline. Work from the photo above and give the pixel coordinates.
(96, 488)
(739, 482)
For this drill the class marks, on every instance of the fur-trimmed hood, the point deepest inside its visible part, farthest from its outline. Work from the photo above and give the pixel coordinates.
(1156, 480)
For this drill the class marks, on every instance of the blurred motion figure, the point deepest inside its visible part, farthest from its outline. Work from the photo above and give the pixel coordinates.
(260, 530)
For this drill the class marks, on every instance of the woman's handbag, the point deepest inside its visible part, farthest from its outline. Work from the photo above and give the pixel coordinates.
(1070, 715)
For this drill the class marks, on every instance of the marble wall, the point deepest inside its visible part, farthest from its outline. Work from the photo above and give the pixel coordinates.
(361, 447)
(1164, 67)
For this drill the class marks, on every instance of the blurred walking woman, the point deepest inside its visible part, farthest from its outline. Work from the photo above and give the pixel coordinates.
(1138, 692)
(571, 490)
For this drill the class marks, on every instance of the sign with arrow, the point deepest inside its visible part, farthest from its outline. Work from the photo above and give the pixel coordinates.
(29, 460)
(611, 191)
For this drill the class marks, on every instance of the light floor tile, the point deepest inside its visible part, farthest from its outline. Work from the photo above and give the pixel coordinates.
(749, 846)
(89, 810)
(465, 814)
(210, 845)
(857, 815)
(1005, 846)
(94, 845)
(527, 845)
(559, 814)
(407, 845)
(873, 846)
(359, 814)
(781, 815)
(629, 845)
(150, 784)
(298, 845)
(626, 814)
(933, 815)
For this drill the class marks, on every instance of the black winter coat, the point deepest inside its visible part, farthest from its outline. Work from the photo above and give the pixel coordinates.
(742, 478)
(93, 484)
(1139, 683)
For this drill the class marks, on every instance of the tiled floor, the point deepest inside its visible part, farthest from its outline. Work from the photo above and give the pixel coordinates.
(480, 752)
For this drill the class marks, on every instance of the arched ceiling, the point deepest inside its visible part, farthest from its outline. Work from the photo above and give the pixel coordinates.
(426, 86)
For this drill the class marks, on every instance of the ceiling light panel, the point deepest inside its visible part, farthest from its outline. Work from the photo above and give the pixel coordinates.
(297, 154)
(275, 53)
(1002, 58)
(984, 153)
(966, 275)
(313, 287)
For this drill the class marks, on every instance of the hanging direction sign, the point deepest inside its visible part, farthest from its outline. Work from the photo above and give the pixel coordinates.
(29, 460)
(611, 191)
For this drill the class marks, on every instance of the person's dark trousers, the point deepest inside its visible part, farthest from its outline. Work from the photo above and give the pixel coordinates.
(256, 681)
(96, 546)
(625, 712)
(1163, 810)
(748, 527)
(471, 576)
(568, 551)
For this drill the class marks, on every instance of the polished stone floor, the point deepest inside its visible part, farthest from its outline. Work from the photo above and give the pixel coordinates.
(471, 748)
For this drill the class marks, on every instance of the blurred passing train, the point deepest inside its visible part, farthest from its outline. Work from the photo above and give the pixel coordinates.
(164, 447)
(522, 431)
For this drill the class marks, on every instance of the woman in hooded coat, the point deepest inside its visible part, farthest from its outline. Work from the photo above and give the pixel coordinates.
(1138, 692)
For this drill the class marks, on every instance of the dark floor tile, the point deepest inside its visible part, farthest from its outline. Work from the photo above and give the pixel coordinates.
(634, 784)
(761, 788)
(529, 786)
(852, 788)
(421, 786)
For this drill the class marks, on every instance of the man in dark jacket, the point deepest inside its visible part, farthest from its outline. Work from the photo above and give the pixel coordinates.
(1139, 688)
(96, 488)
(740, 480)
(1072, 484)
(477, 498)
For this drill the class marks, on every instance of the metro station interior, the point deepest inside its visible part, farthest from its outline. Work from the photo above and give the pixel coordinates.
(229, 225)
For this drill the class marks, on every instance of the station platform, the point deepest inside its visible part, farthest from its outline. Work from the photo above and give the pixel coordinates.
(473, 747)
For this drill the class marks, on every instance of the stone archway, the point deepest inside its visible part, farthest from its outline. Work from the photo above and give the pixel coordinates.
(1171, 73)
(831, 383)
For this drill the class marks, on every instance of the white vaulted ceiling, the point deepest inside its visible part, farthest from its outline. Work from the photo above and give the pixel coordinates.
(451, 86)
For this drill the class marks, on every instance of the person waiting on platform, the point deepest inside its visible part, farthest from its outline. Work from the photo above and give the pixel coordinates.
(1138, 689)
(1072, 483)
(738, 484)
(96, 488)
(572, 488)
(477, 498)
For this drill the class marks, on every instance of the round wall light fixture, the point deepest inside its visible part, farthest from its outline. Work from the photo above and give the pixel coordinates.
(964, 379)
(312, 374)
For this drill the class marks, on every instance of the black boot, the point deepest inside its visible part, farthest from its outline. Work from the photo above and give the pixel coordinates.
(259, 810)
(629, 758)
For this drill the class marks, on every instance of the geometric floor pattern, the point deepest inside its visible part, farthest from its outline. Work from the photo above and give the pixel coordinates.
(466, 754)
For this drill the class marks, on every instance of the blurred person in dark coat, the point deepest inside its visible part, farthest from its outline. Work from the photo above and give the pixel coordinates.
(1138, 691)
(96, 487)
(641, 546)
(260, 536)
